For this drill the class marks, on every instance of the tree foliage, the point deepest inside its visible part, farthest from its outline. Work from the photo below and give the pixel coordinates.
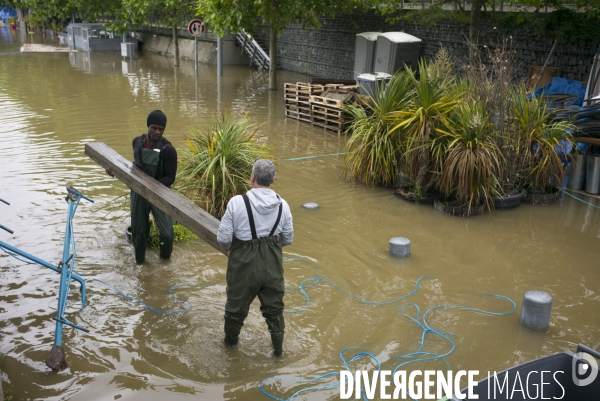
(229, 16)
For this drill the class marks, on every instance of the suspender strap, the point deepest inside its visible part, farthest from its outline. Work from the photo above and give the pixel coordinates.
(250, 217)
(143, 140)
(277, 221)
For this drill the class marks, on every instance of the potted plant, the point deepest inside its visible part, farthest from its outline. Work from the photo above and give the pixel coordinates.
(218, 162)
(373, 150)
(424, 120)
(471, 162)
(548, 145)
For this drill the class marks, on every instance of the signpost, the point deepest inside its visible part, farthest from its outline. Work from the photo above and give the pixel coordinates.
(195, 29)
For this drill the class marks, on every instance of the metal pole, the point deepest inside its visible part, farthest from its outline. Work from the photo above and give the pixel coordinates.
(196, 53)
(219, 83)
(219, 56)
(544, 67)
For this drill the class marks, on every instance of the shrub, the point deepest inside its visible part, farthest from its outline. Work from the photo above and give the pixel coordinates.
(218, 162)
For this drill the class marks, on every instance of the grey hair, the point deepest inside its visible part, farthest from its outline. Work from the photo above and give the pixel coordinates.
(264, 172)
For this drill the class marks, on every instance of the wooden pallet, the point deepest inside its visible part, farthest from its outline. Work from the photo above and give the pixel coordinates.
(304, 110)
(297, 96)
(326, 112)
(299, 115)
(328, 125)
(325, 101)
(298, 110)
(303, 88)
(297, 103)
(349, 88)
(311, 89)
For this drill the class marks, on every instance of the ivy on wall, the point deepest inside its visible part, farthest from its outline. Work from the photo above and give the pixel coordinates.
(559, 24)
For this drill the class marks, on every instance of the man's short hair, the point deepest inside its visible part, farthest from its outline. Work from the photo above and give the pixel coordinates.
(264, 172)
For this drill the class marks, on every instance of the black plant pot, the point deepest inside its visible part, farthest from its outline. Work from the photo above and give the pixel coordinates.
(541, 197)
(442, 205)
(508, 202)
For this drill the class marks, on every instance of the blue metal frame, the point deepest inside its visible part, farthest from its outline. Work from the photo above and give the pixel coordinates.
(65, 268)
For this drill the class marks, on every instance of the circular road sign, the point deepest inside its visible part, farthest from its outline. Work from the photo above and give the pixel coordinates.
(196, 28)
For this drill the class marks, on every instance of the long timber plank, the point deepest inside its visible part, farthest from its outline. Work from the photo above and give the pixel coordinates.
(179, 208)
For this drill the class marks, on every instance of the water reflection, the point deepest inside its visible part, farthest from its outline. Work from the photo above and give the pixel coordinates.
(582, 217)
(52, 104)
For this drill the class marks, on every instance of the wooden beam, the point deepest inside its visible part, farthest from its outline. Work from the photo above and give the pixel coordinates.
(592, 141)
(179, 208)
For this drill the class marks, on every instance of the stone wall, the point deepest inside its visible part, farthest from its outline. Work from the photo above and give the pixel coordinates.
(329, 52)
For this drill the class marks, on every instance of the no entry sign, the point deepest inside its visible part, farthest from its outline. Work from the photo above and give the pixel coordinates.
(196, 28)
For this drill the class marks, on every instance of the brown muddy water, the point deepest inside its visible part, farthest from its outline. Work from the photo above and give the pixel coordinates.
(52, 104)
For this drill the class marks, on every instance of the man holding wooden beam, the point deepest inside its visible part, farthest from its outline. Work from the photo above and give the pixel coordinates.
(157, 157)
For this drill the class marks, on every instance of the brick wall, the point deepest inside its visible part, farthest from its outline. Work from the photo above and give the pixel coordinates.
(330, 51)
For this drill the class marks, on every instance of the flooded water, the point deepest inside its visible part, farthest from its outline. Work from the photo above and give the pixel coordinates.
(52, 104)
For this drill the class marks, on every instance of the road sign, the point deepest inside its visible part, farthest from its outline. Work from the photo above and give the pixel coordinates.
(196, 28)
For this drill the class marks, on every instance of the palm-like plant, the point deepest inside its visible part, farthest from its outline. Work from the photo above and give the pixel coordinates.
(217, 163)
(373, 156)
(550, 154)
(547, 143)
(472, 161)
(423, 122)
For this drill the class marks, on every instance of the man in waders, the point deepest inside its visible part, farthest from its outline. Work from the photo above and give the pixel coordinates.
(253, 229)
(158, 158)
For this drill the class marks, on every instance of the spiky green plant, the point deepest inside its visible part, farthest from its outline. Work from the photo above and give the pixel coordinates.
(423, 122)
(546, 142)
(550, 154)
(218, 162)
(473, 160)
(373, 156)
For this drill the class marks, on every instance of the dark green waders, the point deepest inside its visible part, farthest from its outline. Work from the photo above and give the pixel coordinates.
(151, 164)
(255, 268)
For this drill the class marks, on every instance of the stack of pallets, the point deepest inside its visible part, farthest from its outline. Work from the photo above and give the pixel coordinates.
(327, 113)
(297, 100)
(327, 110)
(319, 105)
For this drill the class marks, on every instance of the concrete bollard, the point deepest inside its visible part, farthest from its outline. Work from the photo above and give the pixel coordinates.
(399, 247)
(310, 205)
(536, 308)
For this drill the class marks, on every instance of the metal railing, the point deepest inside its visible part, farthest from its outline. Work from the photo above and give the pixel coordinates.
(253, 49)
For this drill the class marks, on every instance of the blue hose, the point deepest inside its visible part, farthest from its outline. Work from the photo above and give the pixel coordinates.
(313, 156)
(315, 280)
(416, 356)
(9, 253)
(579, 199)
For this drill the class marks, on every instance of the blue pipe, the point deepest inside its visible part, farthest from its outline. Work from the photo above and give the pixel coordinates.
(6, 229)
(45, 264)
